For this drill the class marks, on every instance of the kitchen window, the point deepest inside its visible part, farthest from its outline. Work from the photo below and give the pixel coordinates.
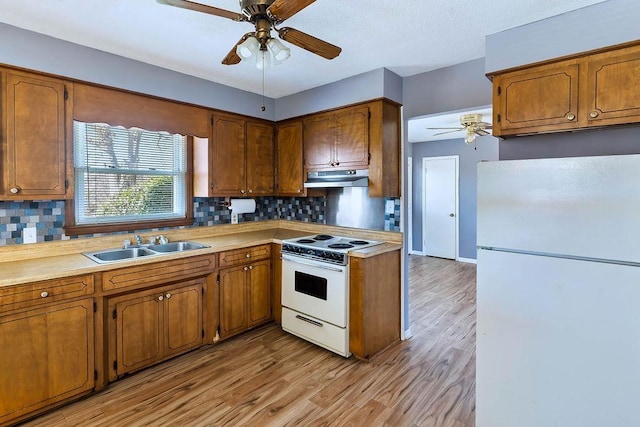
(128, 179)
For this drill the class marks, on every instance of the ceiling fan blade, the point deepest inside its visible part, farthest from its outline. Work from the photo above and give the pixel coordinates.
(450, 131)
(232, 57)
(310, 43)
(186, 4)
(445, 129)
(481, 132)
(285, 9)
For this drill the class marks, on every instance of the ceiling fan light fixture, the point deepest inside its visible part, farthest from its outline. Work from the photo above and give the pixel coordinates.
(470, 136)
(263, 60)
(248, 48)
(279, 51)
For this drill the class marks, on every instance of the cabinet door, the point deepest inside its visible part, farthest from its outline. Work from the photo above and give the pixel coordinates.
(233, 301)
(260, 159)
(290, 167)
(539, 99)
(612, 89)
(259, 292)
(35, 150)
(183, 319)
(228, 156)
(352, 138)
(46, 356)
(139, 336)
(319, 136)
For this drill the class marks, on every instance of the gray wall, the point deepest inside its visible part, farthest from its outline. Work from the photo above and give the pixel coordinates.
(487, 149)
(604, 24)
(380, 83)
(35, 51)
(449, 89)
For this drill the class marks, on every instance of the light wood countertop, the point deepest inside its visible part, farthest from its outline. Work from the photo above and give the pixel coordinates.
(21, 264)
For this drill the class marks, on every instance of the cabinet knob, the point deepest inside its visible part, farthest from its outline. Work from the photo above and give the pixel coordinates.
(250, 191)
(571, 117)
(248, 255)
(160, 298)
(251, 267)
(242, 191)
(299, 190)
(336, 164)
(168, 295)
(14, 190)
(246, 268)
(593, 114)
(44, 294)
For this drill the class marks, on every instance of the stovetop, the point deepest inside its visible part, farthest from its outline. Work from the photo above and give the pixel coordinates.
(324, 247)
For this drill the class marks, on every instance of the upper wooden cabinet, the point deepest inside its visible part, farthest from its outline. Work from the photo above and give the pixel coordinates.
(364, 136)
(36, 123)
(238, 159)
(290, 168)
(337, 139)
(590, 91)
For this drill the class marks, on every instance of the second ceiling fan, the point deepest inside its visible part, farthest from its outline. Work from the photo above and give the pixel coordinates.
(265, 15)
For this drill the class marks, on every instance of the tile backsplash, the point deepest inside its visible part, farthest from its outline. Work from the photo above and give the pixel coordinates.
(48, 216)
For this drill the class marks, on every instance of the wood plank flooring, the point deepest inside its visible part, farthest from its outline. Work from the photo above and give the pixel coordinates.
(269, 378)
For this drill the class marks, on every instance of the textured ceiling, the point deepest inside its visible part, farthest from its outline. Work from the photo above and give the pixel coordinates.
(405, 36)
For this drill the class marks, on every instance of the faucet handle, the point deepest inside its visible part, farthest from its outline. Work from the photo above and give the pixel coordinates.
(163, 240)
(152, 240)
(126, 243)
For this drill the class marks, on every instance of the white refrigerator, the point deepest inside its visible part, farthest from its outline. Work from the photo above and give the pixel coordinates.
(558, 293)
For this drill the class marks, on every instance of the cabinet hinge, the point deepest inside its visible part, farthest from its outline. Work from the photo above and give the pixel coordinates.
(203, 333)
(499, 90)
(66, 94)
(66, 184)
(369, 155)
(114, 314)
(95, 375)
(115, 365)
(211, 120)
(218, 278)
(202, 289)
(95, 307)
(369, 114)
(499, 118)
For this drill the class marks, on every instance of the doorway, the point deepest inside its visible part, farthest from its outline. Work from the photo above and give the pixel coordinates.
(440, 207)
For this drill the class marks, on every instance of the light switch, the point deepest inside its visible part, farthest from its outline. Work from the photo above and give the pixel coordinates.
(29, 235)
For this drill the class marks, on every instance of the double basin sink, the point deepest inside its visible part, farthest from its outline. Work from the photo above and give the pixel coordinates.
(112, 255)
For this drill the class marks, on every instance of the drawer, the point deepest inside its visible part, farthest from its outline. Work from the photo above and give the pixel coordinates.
(14, 297)
(157, 273)
(316, 331)
(242, 256)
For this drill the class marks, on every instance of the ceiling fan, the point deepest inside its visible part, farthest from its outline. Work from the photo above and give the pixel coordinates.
(472, 124)
(264, 15)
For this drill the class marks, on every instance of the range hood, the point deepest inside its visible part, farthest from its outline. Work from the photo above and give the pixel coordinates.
(334, 179)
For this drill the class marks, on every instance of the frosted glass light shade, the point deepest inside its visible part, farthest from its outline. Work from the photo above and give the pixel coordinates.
(248, 48)
(280, 52)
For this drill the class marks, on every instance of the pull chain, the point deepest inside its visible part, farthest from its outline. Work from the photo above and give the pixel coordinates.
(263, 108)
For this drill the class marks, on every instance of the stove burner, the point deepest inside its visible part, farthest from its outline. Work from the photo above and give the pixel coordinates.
(303, 241)
(340, 246)
(358, 242)
(323, 237)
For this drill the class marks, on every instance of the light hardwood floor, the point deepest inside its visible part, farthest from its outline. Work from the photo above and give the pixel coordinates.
(269, 378)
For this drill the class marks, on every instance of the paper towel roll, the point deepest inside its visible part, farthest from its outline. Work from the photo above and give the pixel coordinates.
(240, 206)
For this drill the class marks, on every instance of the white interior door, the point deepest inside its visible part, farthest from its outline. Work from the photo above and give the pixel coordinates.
(440, 207)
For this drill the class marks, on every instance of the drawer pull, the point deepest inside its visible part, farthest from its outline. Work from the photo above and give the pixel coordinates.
(168, 295)
(251, 267)
(248, 255)
(44, 294)
(160, 298)
(245, 269)
(305, 319)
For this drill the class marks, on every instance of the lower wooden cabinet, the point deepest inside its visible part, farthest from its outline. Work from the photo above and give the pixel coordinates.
(153, 325)
(245, 297)
(46, 357)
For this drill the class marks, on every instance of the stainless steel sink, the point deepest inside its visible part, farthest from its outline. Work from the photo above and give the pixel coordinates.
(177, 247)
(113, 255)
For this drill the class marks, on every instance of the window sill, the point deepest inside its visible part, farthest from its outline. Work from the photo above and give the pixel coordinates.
(77, 230)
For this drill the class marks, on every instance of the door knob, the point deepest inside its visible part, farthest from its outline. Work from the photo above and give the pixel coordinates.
(452, 215)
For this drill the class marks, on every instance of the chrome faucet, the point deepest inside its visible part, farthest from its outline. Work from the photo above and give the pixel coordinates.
(139, 240)
(162, 239)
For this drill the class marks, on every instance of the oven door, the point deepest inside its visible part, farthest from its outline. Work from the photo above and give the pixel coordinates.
(316, 288)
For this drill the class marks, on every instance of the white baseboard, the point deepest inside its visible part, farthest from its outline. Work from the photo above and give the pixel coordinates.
(413, 252)
(406, 335)
(468, 260)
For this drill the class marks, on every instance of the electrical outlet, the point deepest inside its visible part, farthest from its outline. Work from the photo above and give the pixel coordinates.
(389, 207)
(234, 218)
(29, 235)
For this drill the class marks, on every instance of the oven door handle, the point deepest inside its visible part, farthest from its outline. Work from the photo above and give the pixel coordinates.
(306, 319)
(325, 267)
